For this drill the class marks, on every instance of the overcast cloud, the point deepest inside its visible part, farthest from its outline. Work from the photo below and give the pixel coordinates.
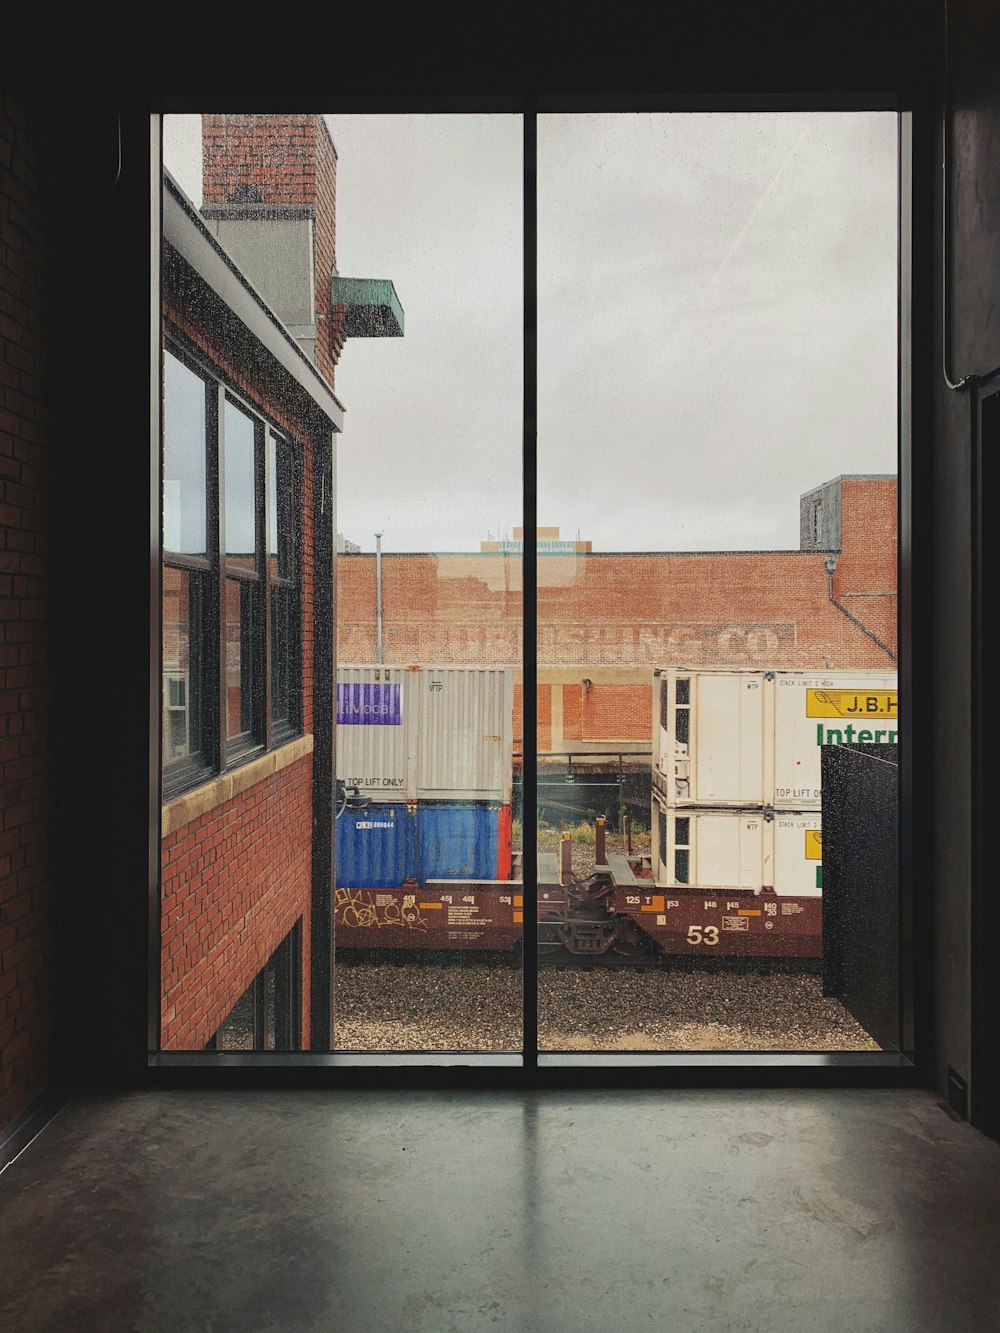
(717, 322)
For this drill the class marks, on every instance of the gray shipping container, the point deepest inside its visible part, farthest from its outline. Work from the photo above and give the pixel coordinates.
(425, 733)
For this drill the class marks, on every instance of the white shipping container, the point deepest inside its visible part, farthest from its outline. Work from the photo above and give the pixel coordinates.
(736, 850)
(724, 737)
(426, 733)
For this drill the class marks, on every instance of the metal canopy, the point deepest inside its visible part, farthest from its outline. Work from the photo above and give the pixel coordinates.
(373, 309)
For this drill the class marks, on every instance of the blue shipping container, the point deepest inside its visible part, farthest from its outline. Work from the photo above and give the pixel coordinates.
(386, 844)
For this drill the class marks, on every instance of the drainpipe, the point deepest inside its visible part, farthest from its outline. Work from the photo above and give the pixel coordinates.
(378, 596)
(831, 565)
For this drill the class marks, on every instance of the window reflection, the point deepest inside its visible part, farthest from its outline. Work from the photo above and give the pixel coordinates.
(733, 277)
(241, 492)
(184, 459)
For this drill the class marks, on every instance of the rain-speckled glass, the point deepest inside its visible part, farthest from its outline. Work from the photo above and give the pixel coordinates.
(182, 683)
(239, 461)
(424, 333)
(428, 872)
(184, 459)
(717, 458)
(240, 650)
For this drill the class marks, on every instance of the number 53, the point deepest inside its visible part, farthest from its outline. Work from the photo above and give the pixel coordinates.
(703, 935)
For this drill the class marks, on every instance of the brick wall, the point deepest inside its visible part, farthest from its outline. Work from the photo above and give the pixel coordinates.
(27, 895)
(235, 880)
(331, 320)
(612, 617)
(285, 161)
(250, 159)
(866, 575)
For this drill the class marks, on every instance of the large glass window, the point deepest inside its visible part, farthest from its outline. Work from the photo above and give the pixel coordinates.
(428, 896)
(728, 605)
(713, 599)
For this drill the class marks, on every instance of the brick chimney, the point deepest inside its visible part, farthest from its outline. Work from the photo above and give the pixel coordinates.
(270, 198)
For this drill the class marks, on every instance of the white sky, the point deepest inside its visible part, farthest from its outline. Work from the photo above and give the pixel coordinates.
(717, 322)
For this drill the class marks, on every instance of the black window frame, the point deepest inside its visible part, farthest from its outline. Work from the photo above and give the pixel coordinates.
(217, 570)
(833, 1070)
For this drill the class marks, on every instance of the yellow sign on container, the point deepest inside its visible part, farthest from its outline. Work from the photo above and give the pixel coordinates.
(814, 844)
(852, 703)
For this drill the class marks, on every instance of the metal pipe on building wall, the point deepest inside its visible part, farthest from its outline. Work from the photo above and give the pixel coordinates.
(831, 566)
(378, 597)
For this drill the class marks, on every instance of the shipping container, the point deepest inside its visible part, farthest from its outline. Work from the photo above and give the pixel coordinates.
(744, 850)
(392, 842)
(731, 738)
(425, 733)
(425, 876)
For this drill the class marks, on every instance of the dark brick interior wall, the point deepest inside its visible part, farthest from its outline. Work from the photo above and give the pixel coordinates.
(26, 821)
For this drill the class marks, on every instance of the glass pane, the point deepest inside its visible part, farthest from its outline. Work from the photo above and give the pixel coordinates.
(240, 640)
(284, 623)
(240, 505)
(721, 589)
(184, 459)
(182, 683)
(281, 527)
(237, 1031)
(261, 1019)
(429, 590)
(423, 855)
(267, 1001)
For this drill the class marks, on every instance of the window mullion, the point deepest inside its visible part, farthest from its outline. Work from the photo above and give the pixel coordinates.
(218, 623)
(529, 573)
(266, 482)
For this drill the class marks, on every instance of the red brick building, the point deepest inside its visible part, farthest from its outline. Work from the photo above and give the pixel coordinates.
(606, 619)
(255, 318)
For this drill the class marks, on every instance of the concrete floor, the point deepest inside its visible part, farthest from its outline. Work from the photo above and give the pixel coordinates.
(548, 1212)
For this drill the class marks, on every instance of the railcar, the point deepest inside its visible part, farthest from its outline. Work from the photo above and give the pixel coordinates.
(735, 868)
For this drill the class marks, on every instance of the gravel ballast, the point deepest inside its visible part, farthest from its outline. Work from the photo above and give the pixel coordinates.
(477, 1007)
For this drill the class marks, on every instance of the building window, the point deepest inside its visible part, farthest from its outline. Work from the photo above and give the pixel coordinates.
(282, 584)
(231, 578)
(187, 572)
(267, 1016)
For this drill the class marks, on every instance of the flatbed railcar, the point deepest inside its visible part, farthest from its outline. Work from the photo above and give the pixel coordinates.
(617, 911)
(735, 868)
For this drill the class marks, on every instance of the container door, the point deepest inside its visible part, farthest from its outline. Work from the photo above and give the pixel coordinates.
(456, 842)
(727, 739)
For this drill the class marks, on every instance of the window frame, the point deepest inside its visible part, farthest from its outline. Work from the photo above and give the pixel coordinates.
(836, 1069)
(219, 751)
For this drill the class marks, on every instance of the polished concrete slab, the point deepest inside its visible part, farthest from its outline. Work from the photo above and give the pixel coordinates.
(551, 1212)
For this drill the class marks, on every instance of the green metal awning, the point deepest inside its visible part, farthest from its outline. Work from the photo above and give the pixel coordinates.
(373, 309)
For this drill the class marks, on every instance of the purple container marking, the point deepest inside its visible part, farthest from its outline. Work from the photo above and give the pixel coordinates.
(363, 705)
